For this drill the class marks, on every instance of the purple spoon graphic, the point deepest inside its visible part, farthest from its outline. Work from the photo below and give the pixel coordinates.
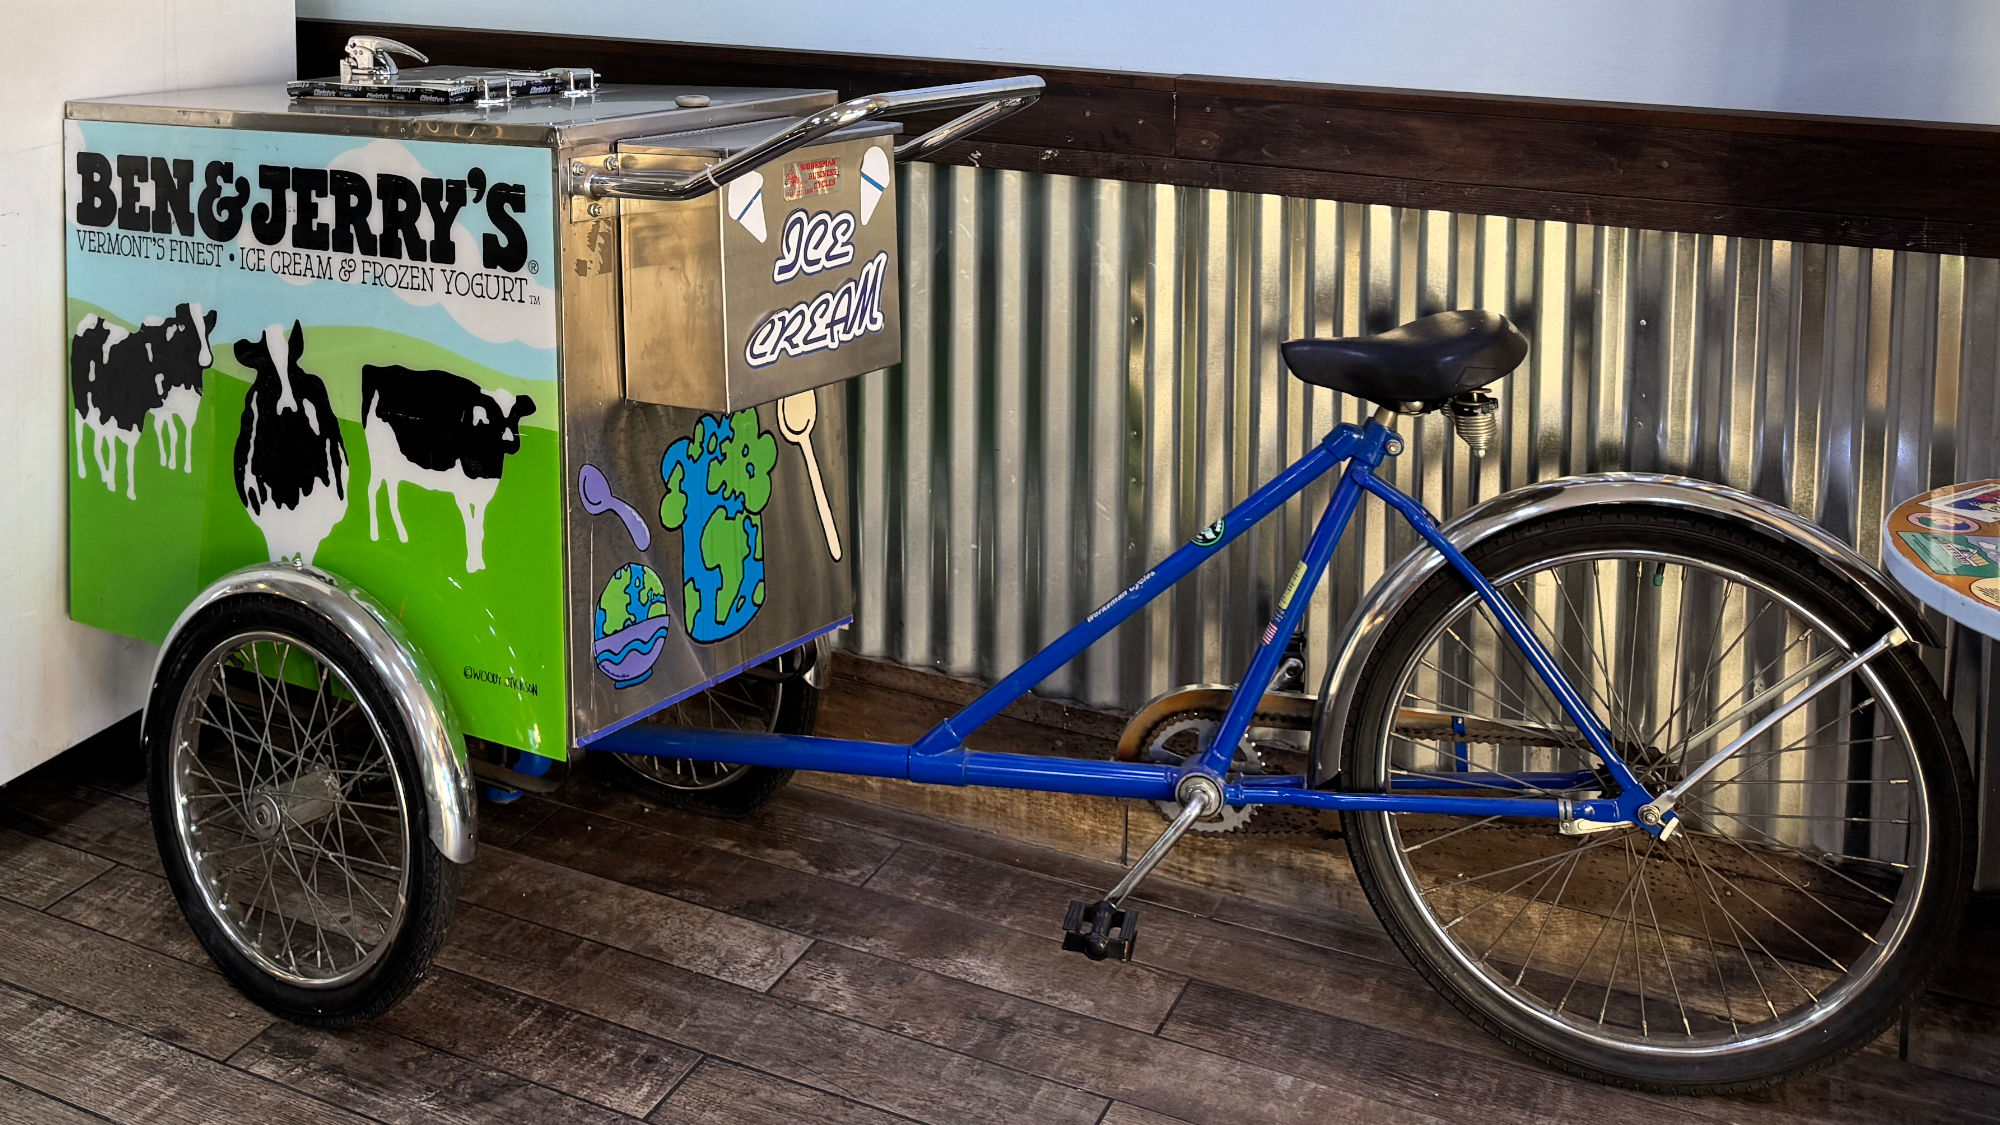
(597, 498)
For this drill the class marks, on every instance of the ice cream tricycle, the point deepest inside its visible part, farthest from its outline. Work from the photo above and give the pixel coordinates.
(441, 423)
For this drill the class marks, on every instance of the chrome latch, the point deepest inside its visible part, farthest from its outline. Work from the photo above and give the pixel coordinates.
(494, 90)
(578, 81)
(367, 60)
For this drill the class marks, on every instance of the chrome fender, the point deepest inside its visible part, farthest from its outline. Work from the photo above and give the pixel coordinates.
(441, 760)
(1547, 498)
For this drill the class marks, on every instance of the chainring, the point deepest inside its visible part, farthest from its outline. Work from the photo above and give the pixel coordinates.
(1230, 817)
(1194, 728)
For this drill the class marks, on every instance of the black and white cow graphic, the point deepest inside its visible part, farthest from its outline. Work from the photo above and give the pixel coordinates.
(439, 431)
(118, 378)
(110, 416)
(182, 358)
(291, 464)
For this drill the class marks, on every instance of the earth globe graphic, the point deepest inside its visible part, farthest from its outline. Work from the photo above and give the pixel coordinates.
(632, 625)
(718, 484)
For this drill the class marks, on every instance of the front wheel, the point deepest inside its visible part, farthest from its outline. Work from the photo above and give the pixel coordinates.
(290, 816)
(1799, 909)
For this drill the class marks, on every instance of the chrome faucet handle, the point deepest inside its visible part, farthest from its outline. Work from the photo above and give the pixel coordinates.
(367, 60)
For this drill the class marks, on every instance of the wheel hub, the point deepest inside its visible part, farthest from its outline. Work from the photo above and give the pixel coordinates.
(300, 801)
(267, 818)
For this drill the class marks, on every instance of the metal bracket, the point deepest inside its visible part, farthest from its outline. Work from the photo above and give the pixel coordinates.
(494, 90)
(498, 774)
(1569, 824)
(819, 666)
(582, 208)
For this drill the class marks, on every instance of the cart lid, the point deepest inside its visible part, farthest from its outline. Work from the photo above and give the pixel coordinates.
(612, 113)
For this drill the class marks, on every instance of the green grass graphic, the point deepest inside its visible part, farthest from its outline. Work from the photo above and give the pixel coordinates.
(135, 564)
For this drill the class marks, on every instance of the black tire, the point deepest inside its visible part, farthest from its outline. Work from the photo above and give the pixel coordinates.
(773, 697)
(347, 742)
(1901, 754)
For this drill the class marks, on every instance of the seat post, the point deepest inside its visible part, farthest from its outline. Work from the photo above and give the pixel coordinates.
(1383, 416)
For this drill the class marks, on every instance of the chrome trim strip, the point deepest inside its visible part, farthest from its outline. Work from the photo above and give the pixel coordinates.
(441, 759)
(1548, 498)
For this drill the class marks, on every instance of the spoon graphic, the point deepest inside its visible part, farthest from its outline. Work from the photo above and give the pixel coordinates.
(597, 498)
(796, 416)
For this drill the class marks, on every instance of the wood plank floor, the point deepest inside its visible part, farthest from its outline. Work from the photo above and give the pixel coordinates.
(858, 953)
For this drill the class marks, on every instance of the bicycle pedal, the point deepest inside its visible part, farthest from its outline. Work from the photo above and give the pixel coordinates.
(1100, 931)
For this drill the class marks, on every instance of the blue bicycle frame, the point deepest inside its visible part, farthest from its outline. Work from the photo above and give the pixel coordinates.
(940, 756)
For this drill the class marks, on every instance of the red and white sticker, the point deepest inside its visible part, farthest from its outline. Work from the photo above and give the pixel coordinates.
(811, 177)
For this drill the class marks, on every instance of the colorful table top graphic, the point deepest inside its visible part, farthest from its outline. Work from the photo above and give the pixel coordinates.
(1944, 547)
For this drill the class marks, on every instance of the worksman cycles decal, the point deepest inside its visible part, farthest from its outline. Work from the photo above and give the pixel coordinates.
(307, 223)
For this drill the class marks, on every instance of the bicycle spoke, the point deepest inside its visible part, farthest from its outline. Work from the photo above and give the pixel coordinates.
(1450, 834)
(1814, 860)
(1666, 958)
(1552, 636)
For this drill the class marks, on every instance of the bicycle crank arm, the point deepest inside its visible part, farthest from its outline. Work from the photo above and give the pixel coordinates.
(1105, 929)
(1654, 813)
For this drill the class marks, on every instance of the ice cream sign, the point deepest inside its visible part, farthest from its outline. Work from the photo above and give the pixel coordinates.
(813, 242)
(784, 282)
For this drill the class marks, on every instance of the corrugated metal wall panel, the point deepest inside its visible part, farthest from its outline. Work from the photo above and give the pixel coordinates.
(1092, 374)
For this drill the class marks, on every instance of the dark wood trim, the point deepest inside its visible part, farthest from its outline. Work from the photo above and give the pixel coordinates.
(1863, 182)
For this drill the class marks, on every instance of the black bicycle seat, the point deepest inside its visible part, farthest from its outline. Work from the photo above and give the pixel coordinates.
(1426, 361)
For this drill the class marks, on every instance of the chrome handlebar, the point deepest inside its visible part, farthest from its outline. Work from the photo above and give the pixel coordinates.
(995, 99)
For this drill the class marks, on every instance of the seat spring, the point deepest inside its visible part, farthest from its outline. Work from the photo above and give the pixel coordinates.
(1476, 418)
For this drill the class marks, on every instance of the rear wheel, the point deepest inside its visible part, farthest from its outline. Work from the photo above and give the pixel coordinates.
(290, 817)
(1817, 872)
(773, 697)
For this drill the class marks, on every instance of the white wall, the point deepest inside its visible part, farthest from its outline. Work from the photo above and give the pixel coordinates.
(1922, 59)
(59, 681)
